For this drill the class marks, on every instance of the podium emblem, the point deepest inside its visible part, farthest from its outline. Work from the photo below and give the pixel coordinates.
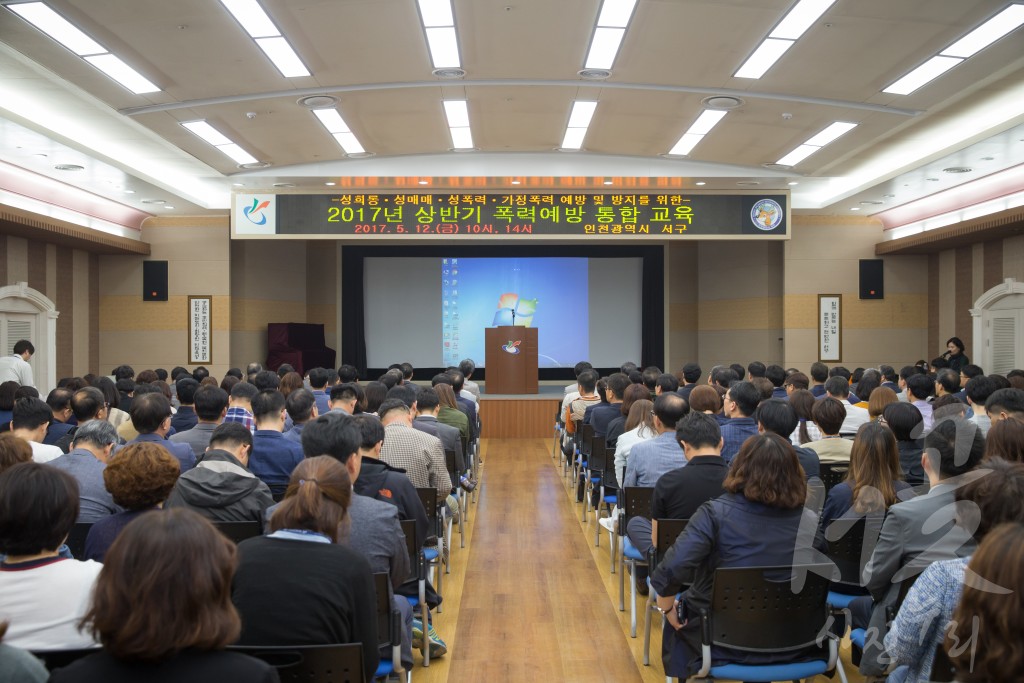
(512, 346)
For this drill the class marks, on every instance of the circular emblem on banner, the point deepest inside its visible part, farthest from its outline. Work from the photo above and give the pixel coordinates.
(766, 214)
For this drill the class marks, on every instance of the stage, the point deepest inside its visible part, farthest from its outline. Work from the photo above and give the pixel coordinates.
(520, 416)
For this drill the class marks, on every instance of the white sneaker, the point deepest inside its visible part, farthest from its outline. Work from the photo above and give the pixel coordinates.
(608, 523)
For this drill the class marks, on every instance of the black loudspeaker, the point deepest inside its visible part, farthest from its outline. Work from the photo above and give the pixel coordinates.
(872, 281)
(154, 280)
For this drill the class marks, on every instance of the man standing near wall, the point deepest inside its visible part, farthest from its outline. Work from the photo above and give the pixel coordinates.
(15, 368)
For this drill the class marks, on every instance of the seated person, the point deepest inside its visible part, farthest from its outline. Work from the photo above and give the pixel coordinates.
(139, 479)
(163, 611)
(907, 425)
(17, 665)
(829, 414)
(602, 414)
(639, 427)
(91, 449)
(997, 497)
(327, 587)
(632, 394)
(222, 488)
(754, 524)
(42, 595)
(650, 459)
(990, 618)
(273, 457)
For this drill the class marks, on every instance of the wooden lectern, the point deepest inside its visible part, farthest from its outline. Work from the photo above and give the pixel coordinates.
(510, 359)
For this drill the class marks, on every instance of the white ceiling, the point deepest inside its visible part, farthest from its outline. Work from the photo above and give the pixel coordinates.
(521, 59)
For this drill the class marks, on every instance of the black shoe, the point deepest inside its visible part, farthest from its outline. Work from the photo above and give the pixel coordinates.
(641, 585)
(467, 485)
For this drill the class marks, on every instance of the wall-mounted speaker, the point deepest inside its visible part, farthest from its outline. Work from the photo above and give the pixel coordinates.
(154, 280)
(872, 280)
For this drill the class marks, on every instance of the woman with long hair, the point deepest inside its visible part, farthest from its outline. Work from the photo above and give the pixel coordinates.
(755, 523)
(162, 608)
(375, 393)
(326, 588)
(806, 431)
(1006, 440)
(639, 427)
(449, 413)
(873, 481)
(633, 393)
(289, 383)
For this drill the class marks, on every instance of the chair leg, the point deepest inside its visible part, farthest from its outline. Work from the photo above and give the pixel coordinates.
(614, 543)
(648, 609)
(622, 583)
(632, 603)
(425, 622)
(597, 526)
(463, 511)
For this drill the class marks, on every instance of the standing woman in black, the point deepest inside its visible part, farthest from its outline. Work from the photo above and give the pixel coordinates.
(955, 355)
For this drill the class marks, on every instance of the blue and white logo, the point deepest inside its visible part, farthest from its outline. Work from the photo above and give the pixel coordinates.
(766, 214)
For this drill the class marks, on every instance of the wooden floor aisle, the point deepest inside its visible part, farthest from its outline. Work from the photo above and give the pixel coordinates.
(530, 599)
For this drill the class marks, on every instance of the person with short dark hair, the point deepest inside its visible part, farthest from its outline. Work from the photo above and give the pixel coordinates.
(328, 586)
(602, 414)
(890, 377)
(240, 405)
(947, 382)
(919, 388)
(467, 367)
(223, 487)
(139, 480)
(15, 367)
(59, 401)
(301, 406)
(348, 374)
(741, 400)
(185, 419)
(650, 459)
(907, 425)
(776, 374)
(30, 419)
(829, 414)
(954, 357)
(665, 383)
(755, 369)
(428, 407)
(1005, 403)
(419, 454)
(211, 405)
(838, 388)
(776, 416)
(796, 381)
(577, 408)
(755, 523)
(819, 374)
(318, 383)
(151, 417)
(273, 457)
(691, 375)
(346, 397)
(42, 595)
(162, 608)
(94, 443)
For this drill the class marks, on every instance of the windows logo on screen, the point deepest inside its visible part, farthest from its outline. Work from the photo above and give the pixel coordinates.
(523, 309)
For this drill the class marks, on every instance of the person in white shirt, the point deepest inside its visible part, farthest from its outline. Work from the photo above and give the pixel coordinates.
(838, 388)
(978, 390)
(30, 421)
(16, 367)
(467, 367)
(639, 427)
(42, 595)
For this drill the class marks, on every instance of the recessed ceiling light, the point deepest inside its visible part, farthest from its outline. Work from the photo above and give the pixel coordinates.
(609, 182)
(747, 183)
(330, 184)
(854, 208)
(423, 182)
(284, 184)
(129, 191)
(957, 169)
(888, 196)
(168, 206)
(237, 184)
(792, 183)
(932, 180)
(988, 158)
(763, 57)
(69, 167)
(989, 32)
(871, 202)
(800, 18)
(516, 182)
(154, 201)
(930, 70)
(700, 183)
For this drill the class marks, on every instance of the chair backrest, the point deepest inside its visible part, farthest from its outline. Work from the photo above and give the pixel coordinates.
(239, 531)
(586, 439)
(636, 503)
(76, 539)
(847, 546)
(769, 608)
(312, 663)
(413, 545)
(56, 659)
(668, 532)
(598, 460)
(449, 464)
(833, 473)
(428, 496)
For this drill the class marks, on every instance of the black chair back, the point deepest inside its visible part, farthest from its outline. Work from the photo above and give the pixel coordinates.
(668, 532)
(598, 460)
(413, 544)
(428, 496)
(56, 659)
(636, 501)
(451, 466)
(586, 440)
(239, 531)
(76, 539)
(760, 609)
(833, 473)
(309, 663)
(848, 549)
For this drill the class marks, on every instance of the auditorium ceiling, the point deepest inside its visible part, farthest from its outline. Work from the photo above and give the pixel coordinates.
(215, 96)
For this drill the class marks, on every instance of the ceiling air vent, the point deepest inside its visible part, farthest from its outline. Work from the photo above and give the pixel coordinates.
(594, 74)
(317, 101)
(449, 74)
(722, 102)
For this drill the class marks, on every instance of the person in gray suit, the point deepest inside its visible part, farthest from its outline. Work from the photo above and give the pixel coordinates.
(920, 531)
(211, 404)
(427, 406)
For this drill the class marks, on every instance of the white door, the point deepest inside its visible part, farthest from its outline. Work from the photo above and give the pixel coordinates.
(1005, 340)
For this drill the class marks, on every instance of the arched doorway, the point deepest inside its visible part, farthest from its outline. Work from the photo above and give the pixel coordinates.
(26, 313)
(998, 316)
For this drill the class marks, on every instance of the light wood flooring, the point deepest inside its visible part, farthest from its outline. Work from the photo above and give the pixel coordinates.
(530, 598)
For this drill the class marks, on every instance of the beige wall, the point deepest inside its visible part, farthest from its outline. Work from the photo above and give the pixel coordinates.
(68, 277)
(152, 334)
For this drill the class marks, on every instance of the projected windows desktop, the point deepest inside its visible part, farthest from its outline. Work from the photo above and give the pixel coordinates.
(549, 294)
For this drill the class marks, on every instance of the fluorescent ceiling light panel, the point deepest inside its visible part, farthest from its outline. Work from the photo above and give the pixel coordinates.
(207, 132)
(766, 54)
(798, 155)
(800, 18)
(436, 13)
(444, 47)
(457, 113)
(686, 144)
(582, 112)
(57, 27)
(706, 121)
(992, 30)
(252, 18)
(573, 138)
(831, 133)
(462, 138)
(122, 73)
(332, 120)
(930, 70)
(283, 57)
(616, 13)
(349, 143)
(604, 47)
(237, 153)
